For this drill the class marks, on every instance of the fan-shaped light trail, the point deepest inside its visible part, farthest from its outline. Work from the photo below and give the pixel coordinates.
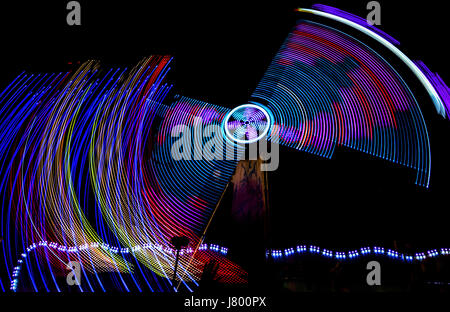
(327, 89)
(97, 158)
(80, 167)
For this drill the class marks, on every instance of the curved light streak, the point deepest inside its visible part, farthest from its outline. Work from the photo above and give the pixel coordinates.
(440, 108)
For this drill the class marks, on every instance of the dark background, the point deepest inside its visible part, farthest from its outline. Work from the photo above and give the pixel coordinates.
(221, 52)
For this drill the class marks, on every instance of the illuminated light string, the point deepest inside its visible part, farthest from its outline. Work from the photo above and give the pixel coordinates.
(299, 250)
(111, 249)
(327, 89)
(277, 254)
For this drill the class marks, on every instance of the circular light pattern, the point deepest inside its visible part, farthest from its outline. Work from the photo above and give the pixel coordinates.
(247, 123)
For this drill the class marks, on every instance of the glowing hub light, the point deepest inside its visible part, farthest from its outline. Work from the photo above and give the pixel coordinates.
(247, 123)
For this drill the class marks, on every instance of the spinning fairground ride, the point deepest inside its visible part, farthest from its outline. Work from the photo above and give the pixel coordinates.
(112, 179)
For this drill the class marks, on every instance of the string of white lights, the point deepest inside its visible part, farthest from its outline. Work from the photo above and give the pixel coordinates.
(356, 253)
(276, 254)
(106, 247)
